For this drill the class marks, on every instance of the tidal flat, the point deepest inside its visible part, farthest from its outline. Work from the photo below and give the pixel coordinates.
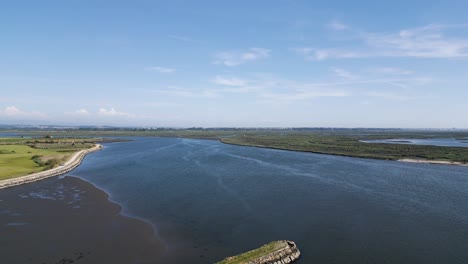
(68, 220)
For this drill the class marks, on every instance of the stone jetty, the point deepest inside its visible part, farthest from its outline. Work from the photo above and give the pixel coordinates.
(277, 252)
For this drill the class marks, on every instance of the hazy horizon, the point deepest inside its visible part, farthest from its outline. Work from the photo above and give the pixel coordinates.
(338, 64)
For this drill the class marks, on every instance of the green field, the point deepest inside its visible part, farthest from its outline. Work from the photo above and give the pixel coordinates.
(253, 254)
(20, 156)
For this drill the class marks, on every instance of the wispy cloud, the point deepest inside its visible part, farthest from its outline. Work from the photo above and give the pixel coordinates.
(16, 113)
(79, 112)
(267, 88)
(188, 92)
(228, 81)
(234, 58)
(321, 54)
(181, 38)
(389, 96)
(336, 25)
(277, 90)
(392, 71)
(185, 39)
(301, 95)
(111, 112)
(271, 89)
(431, 41)
(343, 73)
(161, 69)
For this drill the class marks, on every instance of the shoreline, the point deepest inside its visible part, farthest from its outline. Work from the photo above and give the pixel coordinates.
(436, 162)
(409, 160)
(69, 165)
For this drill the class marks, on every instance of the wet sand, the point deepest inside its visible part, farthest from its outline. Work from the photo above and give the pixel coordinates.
(68, 220)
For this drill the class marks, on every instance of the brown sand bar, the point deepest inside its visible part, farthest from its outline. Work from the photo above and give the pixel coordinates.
(72, 163)
(440, 162)
(68, 220)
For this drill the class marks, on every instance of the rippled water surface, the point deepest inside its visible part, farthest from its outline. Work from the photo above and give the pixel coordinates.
(209, 200)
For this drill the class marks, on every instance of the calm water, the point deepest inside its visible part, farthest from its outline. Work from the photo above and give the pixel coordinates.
(444, 142)
(5, 135)
(209, 200)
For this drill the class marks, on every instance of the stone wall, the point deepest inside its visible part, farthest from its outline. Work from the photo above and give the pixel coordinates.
(284, 255)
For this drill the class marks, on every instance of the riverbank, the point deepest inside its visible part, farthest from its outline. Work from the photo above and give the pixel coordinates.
(340, 142)
(68, 220)
(439, 162)
(69, 165)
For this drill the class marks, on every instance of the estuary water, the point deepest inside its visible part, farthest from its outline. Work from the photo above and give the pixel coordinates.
(209, 200)
(444, 142)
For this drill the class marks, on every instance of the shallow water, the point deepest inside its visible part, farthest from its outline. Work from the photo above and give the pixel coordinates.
(443, 142)
(209, 200)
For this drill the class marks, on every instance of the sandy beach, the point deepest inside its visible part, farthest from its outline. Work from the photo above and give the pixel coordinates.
(440, 162)
(72, 163)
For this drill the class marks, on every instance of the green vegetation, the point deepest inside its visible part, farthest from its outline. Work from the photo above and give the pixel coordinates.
(256, 253)
(21, 156)
(345, 142)
(349, 145)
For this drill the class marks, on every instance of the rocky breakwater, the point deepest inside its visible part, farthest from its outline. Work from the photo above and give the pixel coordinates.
(289, 253)
(277, 252)
(72, 163)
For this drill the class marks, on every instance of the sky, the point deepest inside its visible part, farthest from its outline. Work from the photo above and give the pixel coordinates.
(235, 63)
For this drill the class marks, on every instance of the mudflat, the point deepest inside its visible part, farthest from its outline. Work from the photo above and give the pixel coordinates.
(68, 220)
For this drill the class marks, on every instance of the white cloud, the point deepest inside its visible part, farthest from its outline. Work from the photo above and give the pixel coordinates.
(82, 111)
(336, 25)
(322, 54)
(234, 58)
(101, 113)
(271, 89)
(14, 112)
(79, 112)
(430, 41)
(11, 111)
(112, 112)
(344, 74)
(228, 81)
(161, 69)
(268, 88)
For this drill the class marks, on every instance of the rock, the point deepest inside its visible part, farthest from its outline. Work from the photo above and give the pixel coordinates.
(284, 255)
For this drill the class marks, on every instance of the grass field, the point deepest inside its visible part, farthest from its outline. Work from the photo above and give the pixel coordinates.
(253, 254)
(20, 157)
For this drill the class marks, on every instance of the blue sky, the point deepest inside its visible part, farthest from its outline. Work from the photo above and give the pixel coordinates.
(235, 63)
